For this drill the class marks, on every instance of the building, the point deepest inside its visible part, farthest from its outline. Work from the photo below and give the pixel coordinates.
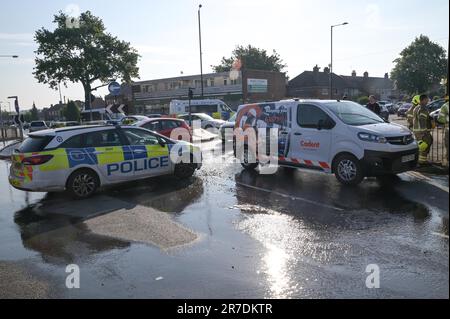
(234, 88)
(316, 84)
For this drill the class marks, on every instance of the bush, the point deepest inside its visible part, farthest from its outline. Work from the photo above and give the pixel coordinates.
(363, 100)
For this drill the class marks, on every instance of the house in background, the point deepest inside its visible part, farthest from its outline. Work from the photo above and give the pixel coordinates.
(316, 85)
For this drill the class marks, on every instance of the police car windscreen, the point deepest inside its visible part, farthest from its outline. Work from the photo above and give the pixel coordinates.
(34, 144)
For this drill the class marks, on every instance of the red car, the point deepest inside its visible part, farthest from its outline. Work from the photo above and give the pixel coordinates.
(164, 126)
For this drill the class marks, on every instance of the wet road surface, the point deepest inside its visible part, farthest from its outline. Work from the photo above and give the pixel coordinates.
(227, 233)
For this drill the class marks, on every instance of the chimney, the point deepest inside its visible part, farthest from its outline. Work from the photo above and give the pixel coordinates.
(316, 69)
(366, 74)
(353, 73)
(386, 76)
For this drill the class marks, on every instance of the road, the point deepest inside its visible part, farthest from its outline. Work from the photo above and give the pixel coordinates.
(227, 233)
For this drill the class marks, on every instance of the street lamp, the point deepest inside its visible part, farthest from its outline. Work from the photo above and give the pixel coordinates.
(331, 64)
(200, 44)
(9, 56)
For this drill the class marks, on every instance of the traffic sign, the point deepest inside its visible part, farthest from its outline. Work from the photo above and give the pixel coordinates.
(114, 88)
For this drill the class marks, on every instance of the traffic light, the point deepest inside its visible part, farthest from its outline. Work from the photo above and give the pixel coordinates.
(190, 94)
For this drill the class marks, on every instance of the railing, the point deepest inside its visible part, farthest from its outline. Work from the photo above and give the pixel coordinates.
(438, 152)
(8, 133)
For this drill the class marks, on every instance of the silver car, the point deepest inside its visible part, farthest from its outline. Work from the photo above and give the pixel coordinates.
(38, 126)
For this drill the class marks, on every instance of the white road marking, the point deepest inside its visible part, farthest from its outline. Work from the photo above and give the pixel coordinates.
(428, 180)
(290, 196)
(440, 235)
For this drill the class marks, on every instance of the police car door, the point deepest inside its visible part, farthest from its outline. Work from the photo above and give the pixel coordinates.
(105, 148)
(147, 156)
(311, 136)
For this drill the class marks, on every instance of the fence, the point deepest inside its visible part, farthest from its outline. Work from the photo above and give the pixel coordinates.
(438, 153)
(8, 133)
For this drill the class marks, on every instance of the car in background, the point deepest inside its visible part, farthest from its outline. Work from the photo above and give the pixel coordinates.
(384, 113)
(435, 115)
(38, 126)
(131, 119)
(388, 105)
(164, 126)
(63, 124)
(207, 122)
(226, 128)
(153, 116)
(401, 112)
(435, 105)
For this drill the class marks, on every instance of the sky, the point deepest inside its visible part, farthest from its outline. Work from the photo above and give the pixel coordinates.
(165, 33)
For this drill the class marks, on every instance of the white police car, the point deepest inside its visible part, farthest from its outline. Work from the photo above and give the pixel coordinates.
(81, 159)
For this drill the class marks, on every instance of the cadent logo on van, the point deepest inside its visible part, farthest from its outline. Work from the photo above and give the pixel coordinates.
(309, 144)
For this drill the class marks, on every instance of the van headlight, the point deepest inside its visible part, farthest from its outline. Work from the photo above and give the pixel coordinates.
(367, 137)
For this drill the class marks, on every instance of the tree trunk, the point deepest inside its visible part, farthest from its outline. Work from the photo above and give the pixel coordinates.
(87, 99)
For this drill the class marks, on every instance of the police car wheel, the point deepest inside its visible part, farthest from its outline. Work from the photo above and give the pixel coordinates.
(348, 170)
(82, 183)
(184, 170)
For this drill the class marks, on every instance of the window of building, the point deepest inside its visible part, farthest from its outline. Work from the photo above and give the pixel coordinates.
(225, 82)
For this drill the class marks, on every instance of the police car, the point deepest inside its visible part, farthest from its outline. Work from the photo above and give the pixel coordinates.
(81, 159)
(340, 137)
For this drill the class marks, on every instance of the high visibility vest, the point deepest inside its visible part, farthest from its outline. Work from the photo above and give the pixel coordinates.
(421, 120)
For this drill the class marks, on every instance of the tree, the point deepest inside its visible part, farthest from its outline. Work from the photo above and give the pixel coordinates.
(71, 112)
(83, 52)
(420, 66)
(251, 58)
(363, 100)
(34, 113)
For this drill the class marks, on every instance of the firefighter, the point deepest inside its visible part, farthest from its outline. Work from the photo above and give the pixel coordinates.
(422, 126)
(410, 113)
(443, 119)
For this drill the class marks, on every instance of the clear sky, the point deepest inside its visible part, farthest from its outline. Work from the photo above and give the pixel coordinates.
(166, 35)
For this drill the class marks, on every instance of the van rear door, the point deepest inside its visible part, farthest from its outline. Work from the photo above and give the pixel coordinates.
(311, 136)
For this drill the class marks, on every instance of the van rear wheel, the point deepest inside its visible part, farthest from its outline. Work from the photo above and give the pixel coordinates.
(248, 160)
(348, 169)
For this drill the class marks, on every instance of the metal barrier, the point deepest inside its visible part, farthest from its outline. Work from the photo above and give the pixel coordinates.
(8, 133)
(438, 152)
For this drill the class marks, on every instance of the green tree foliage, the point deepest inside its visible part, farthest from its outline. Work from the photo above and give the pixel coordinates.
(71, 112)
(420, 66)
(363, 100)
(82, 52)
(251, 58)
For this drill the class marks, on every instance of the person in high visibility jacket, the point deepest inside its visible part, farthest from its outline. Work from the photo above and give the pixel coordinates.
(443, 119)
(422, 126)
(410, 113)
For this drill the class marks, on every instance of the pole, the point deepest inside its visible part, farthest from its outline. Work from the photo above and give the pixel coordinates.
(59, 88)
(200, 44)
(331, 66)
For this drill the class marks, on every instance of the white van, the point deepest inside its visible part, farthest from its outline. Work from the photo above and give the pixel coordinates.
(215, 108)
(100, 116)
(339, 137)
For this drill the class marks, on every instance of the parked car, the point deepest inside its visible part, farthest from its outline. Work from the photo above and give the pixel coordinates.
(435, 115)
(154, 115)
(38, 126)
(389, 107)
(401, 112)
(436, 105)
(131, 119)
(163, 126)
(227, 127)
(207, 122)
(384, 114)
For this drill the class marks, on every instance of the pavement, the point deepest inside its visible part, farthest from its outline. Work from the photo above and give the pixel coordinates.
(227, 233)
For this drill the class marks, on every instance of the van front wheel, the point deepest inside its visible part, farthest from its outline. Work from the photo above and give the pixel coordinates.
(348, 170)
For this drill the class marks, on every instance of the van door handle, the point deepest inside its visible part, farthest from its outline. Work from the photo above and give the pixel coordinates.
(298, 134)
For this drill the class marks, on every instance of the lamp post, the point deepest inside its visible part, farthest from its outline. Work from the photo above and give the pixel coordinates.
(200, 44)
(331, 64)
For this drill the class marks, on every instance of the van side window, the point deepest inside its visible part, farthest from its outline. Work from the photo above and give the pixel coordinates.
(308, 116)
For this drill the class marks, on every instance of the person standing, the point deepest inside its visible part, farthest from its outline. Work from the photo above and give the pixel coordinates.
(443, 119)
(422, 126)
(373, 105)
(410, 113)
